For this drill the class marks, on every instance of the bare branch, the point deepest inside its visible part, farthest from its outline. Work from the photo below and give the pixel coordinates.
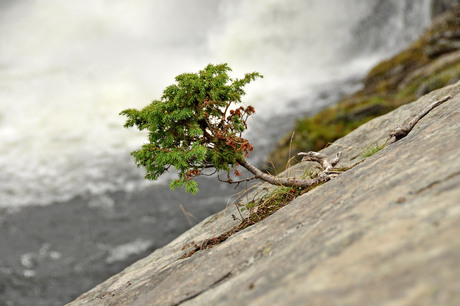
(238, 182)
(209, 174)
(402, 131)
(230, 181)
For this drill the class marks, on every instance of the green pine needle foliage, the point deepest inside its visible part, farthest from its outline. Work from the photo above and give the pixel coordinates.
(194, 126)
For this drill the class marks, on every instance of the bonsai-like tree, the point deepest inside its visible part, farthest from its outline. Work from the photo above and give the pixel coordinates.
(198, 124)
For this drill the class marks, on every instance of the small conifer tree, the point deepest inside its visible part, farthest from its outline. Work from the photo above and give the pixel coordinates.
(198, 124)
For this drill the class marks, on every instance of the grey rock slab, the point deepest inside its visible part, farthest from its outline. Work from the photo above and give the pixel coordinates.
(385, 232)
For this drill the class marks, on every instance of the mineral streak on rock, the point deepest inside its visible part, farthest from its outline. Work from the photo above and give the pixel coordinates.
(385, 231)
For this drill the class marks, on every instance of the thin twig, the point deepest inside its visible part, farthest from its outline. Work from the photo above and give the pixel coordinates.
(230, 181)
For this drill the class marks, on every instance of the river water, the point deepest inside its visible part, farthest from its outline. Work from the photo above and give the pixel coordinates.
(73, 207)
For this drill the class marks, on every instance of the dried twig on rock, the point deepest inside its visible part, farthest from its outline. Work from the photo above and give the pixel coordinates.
(402, 131)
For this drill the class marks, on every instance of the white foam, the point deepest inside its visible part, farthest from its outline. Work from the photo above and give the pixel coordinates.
(122, 252)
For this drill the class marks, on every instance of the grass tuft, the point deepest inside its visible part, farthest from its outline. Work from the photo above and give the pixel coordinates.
(372, 149)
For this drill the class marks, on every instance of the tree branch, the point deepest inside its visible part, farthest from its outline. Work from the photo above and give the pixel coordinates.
(238, 182)
(230, 181)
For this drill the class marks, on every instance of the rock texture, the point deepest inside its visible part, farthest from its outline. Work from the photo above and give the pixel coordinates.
(384, 232)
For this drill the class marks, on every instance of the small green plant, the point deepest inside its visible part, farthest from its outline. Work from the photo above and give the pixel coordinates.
(192, 126)
(372, 149)
(196, 125)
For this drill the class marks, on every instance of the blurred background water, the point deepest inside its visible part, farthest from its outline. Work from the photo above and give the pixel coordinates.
(74, 209)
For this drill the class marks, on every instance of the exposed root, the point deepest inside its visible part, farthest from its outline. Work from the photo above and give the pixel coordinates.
(327, 166)
(211, 242)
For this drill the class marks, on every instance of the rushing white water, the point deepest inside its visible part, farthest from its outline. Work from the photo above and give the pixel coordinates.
(67, 68)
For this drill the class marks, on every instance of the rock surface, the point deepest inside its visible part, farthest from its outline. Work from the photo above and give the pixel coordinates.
(384, 232)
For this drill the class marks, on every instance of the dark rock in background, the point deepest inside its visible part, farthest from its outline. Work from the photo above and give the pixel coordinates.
(440, 6)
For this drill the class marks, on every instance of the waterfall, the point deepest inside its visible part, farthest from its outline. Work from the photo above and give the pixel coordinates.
(68, 68)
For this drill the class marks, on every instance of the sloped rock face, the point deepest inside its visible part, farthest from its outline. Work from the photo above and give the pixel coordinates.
(384, 232)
